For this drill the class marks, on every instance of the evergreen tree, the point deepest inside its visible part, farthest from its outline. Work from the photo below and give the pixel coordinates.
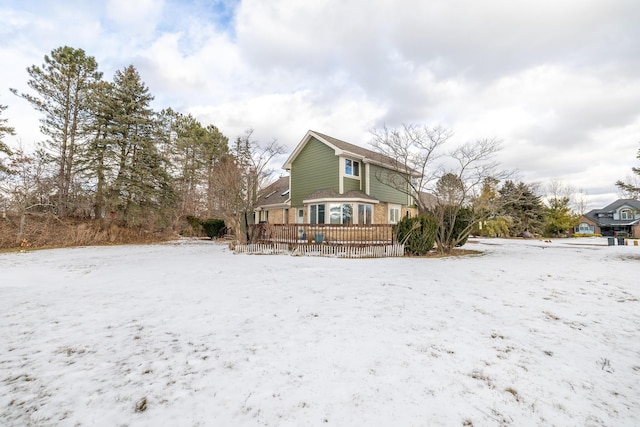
(558, 217)
(418, 233)
(192, 152)
(520, 203)
(4, 130)
(190, 163)
(98, 156)
(142, 189)
(62, 86)
(215, 147)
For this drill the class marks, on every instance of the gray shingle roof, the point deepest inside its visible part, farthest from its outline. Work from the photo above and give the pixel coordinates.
(619, 203)
(330, 194)
(275, 193)
(363, 152)
(593, 214)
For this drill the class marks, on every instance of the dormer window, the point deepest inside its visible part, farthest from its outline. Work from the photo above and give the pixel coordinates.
(626, 214)
(351, 167)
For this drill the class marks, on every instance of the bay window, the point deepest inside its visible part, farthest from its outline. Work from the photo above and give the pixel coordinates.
(340, 213)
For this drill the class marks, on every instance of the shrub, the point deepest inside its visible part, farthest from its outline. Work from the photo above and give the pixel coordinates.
(213, 227)
(418, 234)
(494, 227)
(454, 227)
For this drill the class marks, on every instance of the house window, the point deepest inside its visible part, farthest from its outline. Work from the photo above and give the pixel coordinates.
(394, 214)
(585, 228)
(316, 214)
(340, 213)
(351, 167)
(626, 214)
(365, 214)
(347, 213)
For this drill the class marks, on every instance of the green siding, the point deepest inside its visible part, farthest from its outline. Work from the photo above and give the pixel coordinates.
(351, 184)
(363, 178)
(382, 191)
(314, 168)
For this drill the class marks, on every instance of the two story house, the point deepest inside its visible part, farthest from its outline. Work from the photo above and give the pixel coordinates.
(334, 182)
(621, 217)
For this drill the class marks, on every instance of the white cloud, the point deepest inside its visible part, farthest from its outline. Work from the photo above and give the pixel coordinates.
(556, 81)
(135, 18)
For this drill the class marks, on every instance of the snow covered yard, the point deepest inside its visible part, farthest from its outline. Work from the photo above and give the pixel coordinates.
(187, 334)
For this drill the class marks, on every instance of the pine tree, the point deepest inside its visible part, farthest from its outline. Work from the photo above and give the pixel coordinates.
(215, 147)
(98, 157)
(520, 203)
(4, 130)
(62, 86)
(142, 190)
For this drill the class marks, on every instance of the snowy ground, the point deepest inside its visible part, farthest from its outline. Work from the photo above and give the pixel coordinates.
(187, 334)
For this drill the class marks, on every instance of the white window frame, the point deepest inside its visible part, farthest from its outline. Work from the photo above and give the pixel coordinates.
(353, 167)
(626, 213)
(394, 218)
(354, 207)
(363, 221)
(313, 219)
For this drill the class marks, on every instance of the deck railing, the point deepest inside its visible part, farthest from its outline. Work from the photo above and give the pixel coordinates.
(325, 234)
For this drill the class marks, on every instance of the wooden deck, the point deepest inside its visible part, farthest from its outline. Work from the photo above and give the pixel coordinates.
(327, 240)
(324, 234)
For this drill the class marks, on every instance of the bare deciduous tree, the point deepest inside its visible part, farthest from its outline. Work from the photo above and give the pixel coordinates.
(239, 177)
(580, 202)
(415, 150)
(459, 211)
(25, 186)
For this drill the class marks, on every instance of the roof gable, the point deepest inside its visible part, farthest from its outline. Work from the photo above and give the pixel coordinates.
(343, 148)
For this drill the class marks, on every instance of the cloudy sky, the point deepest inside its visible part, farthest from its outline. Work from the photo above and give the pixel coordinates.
(557, 81)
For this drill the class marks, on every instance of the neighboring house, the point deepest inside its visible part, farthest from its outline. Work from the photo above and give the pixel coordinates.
(273, 203)
(621, 217)
(335, 182)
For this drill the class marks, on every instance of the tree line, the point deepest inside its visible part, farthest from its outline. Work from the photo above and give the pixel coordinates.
(108, 156)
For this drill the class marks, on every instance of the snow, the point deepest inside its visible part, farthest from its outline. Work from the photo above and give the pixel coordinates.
(526, 333)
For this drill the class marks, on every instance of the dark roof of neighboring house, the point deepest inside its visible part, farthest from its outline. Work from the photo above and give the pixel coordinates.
(613, 207)
(275, 194)
(364, 153)
(330, 194)
(620, 203)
